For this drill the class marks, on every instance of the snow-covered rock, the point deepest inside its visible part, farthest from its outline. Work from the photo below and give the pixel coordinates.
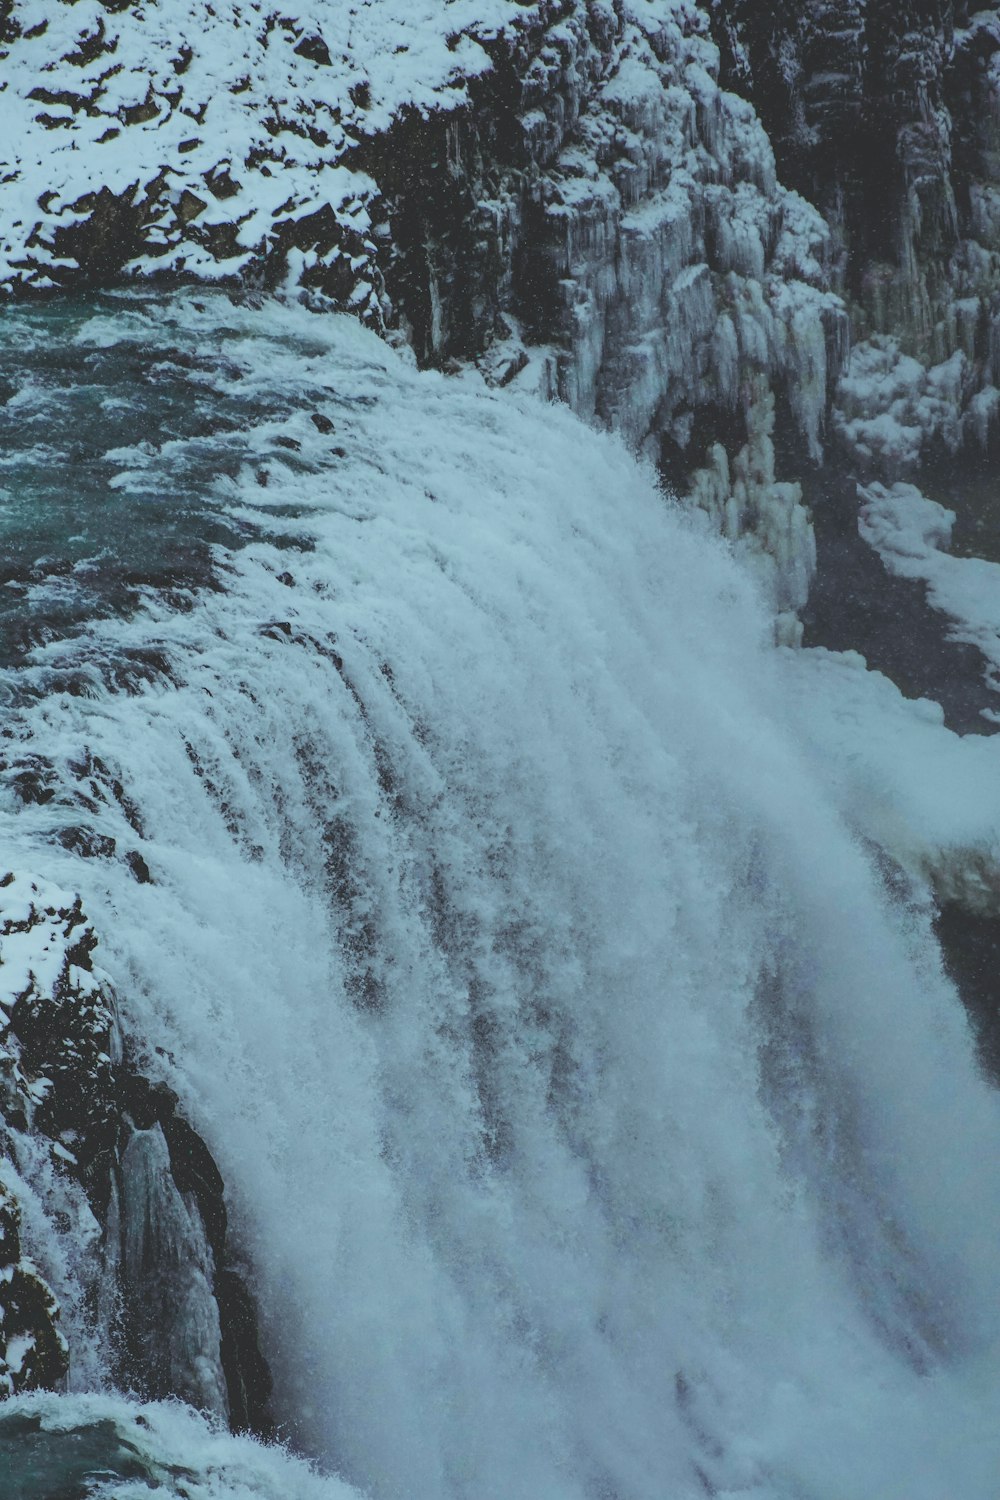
(59, 1034)
(926, 797)
(199, 138)
(34, 1354)
(912, 536)
(890, 410)
(58, 1039)
(111, 1208)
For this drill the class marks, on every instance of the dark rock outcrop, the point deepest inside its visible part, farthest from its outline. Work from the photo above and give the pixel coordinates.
(33, 1352)
(87, 1132)
(887, 118)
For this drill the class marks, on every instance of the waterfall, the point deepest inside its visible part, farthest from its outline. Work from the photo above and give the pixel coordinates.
(596, 1119)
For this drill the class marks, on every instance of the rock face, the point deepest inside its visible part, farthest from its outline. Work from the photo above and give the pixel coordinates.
(87, 1140)
(35, 1355)
(603, 222)
(210, 137)
(887, 118)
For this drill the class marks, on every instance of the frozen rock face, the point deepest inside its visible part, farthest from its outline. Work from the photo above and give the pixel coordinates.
(601, 200)
(890, 408)
(604, 223)
(167, 1263)
(113, 1194)
(887, 118)
(558, 190)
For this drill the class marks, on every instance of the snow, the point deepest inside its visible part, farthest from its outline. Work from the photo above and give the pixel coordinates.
(226, 92)
(34, 939)
(17, 1349)
(911, 534)
(928, 797)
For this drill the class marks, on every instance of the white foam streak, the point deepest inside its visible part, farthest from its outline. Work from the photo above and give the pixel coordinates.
(160, 1446)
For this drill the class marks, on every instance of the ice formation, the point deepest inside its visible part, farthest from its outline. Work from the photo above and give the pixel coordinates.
(886, 118)
(549, 963)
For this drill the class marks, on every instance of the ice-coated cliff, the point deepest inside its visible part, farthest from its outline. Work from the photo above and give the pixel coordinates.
(563, 192)
(887, 118)
(604, 223)
(597, 1117)
(740, 237)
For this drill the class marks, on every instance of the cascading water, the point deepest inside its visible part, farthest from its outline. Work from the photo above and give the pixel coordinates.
(594, 1121)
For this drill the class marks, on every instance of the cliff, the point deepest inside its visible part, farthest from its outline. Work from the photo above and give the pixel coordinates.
(604, 200)
(887, 119)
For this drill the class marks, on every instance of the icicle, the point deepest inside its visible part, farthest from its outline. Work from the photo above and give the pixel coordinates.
(167, 1270)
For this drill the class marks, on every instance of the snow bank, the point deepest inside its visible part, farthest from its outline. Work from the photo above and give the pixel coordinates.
(928, 797)
(911, 534)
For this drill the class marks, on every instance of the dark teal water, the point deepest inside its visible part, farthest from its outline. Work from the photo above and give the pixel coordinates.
(69, 1465)
(119, 427)
(106, 1448)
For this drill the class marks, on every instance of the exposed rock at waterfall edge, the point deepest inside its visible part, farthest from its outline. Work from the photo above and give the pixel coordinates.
(85, 1134)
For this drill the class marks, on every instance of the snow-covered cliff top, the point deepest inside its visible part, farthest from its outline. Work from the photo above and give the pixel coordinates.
(236, 117)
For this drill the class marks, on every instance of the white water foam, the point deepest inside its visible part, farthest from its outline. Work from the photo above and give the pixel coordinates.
(123, 1451)
(596, 1125)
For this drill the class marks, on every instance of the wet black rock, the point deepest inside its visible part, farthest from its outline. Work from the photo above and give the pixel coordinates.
(970, 942)
(33, 1352)
(68, 1082)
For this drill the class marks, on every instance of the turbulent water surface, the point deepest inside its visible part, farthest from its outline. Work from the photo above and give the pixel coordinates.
(595, 1123)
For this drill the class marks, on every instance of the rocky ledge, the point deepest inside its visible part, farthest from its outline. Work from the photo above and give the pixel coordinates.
(113, 1234)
